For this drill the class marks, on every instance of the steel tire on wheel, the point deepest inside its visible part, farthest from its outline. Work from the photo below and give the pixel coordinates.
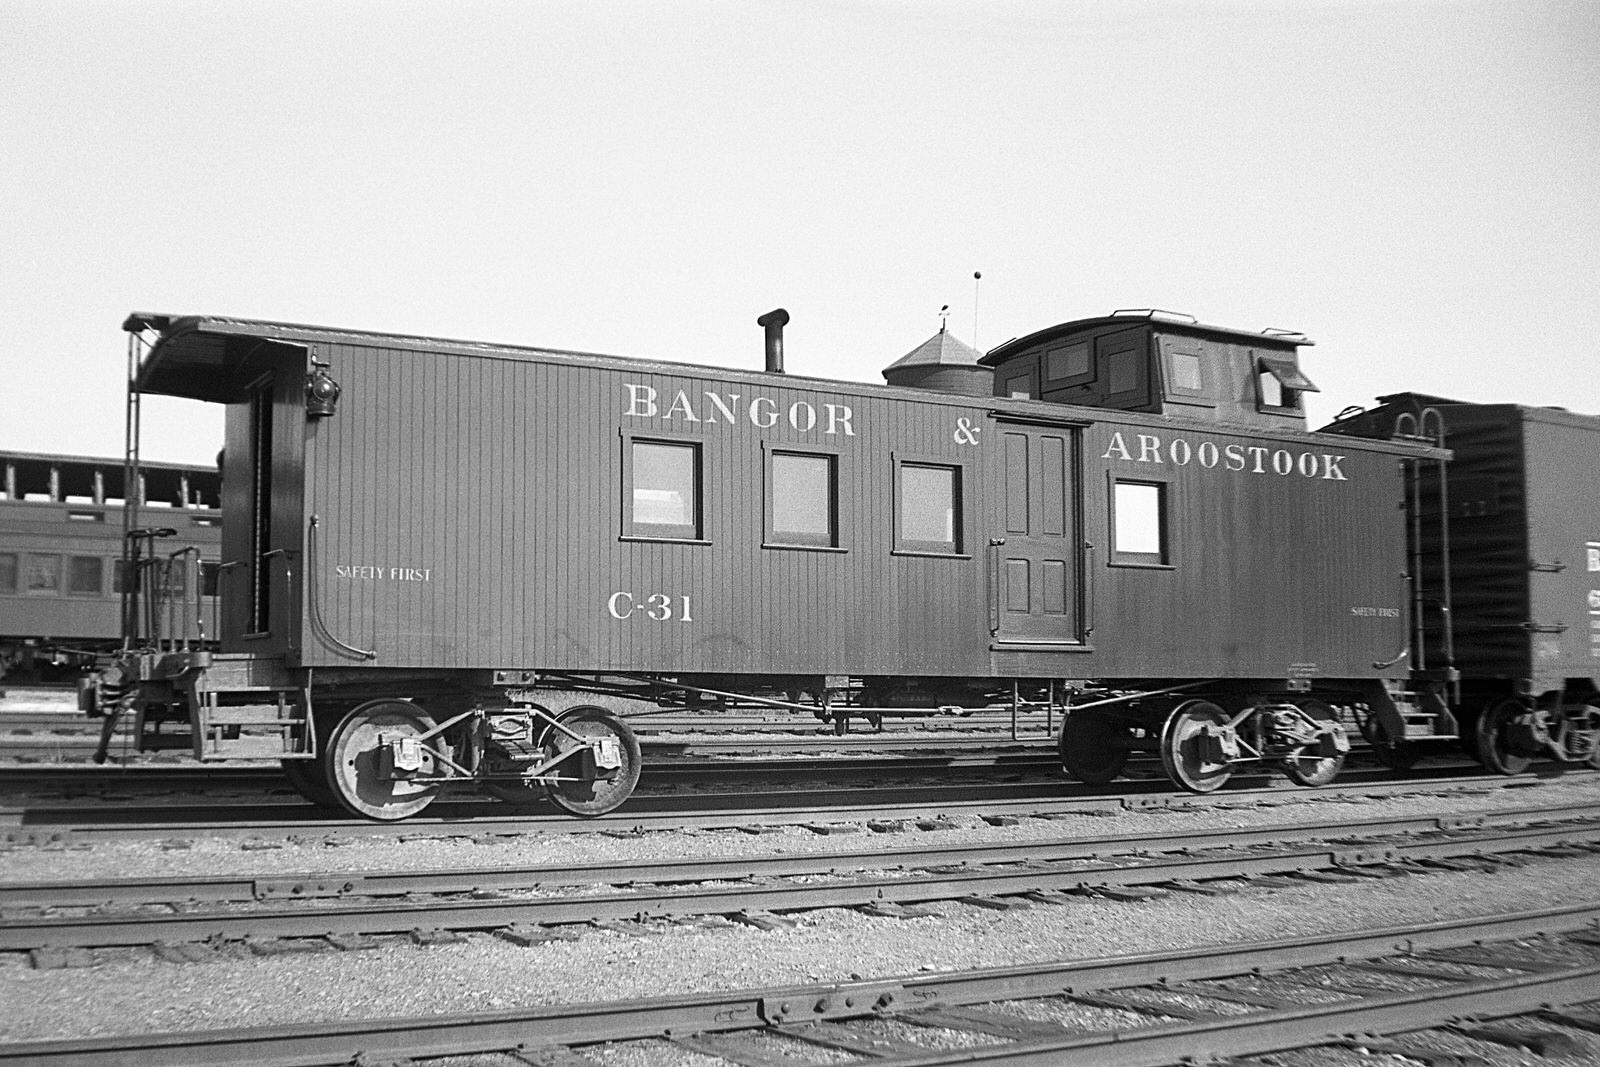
(591, 798)
(353, 760)
(1305, 767)
(1493, 750)
(1088, 747)
(1181, 740)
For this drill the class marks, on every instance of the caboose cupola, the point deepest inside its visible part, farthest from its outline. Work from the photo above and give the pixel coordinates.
(1160, 362)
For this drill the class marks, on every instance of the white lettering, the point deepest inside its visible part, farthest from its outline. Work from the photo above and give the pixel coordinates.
(681, 403)
(1282, 462)
(1119, 446)
(763, 419)
(722, 406)
(641, 401)
(1235, 456)
(1301, 465)
(614, 605)
(1257, 451)
(1149, 448)
(1594, 557)
(839, 415)
(1180, 452)
(1208, 454)
(801, 412)
(1331, 471)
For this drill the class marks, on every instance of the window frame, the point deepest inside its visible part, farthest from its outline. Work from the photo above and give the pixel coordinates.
(23, 586)
(16, 574)
(774, 538)
(656, 533)
(1165, 558)
(1170, 349)
(904, 546)
(1081, 378)
(1285, 370)
(70, 576)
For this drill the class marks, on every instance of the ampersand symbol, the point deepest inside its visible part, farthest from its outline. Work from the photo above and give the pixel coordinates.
(966, 433)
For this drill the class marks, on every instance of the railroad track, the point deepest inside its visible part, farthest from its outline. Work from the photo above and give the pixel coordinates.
(1518, 975)
(526, 902)
(704, 810)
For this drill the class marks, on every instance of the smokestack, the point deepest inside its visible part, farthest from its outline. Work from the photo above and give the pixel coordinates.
(773, 322)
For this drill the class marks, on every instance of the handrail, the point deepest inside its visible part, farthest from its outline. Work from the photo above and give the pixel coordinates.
(317, 624)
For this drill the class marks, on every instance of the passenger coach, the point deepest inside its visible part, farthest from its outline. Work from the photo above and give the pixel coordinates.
(453, 558)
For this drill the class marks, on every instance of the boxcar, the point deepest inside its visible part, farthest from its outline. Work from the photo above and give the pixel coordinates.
(61, 548)
(440, 542)
(1506, 541)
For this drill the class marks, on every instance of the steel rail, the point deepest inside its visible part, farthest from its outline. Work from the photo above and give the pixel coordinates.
(381, 883)
(311, 1044)
(645, 813)
(319, 916)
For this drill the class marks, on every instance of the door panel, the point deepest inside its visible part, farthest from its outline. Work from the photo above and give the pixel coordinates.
(1038, 547)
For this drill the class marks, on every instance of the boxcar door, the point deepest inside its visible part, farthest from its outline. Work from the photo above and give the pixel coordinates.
(1037, 548)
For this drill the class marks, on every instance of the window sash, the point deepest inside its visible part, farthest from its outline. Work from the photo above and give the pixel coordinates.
(804, 499)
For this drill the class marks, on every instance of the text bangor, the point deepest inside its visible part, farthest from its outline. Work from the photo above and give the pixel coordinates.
(762, 411)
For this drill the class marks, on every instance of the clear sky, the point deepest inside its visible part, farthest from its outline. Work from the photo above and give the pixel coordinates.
(1416, 185)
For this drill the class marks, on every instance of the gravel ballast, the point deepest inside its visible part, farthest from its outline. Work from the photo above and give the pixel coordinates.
(133, 991)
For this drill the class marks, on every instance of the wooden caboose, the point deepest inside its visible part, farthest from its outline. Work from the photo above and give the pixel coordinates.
(1132, 515)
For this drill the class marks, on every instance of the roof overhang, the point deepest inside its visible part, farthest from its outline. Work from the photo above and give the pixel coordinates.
(1166, 322)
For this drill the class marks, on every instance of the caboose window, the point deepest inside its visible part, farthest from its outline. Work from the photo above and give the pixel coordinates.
(1139, 523)
(664, 490)
(85, 575)
(929, 508)
(1068, 362)
(804, 500)
(8, 572)
(1280, 383)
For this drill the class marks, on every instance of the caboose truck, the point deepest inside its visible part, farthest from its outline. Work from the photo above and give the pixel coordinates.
(450, 561)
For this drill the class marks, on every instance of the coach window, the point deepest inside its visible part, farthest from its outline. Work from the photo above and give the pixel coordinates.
(8, 572)
(802, 500)
(85, 576)
(210, 573)
(928, 509)
(1139, 534)
(663, 486)
(41, 574)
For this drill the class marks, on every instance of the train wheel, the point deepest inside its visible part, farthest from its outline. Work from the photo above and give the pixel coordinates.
(1496, 728)
(1090, 747)
(593, 789)
(1308, 765)
(1393, 754)
(309, 777)
(1193, 746)
(362, 748)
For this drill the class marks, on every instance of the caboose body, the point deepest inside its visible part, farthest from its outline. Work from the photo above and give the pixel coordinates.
(426, 538)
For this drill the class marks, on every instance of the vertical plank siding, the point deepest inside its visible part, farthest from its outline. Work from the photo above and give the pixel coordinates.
(472, 511)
